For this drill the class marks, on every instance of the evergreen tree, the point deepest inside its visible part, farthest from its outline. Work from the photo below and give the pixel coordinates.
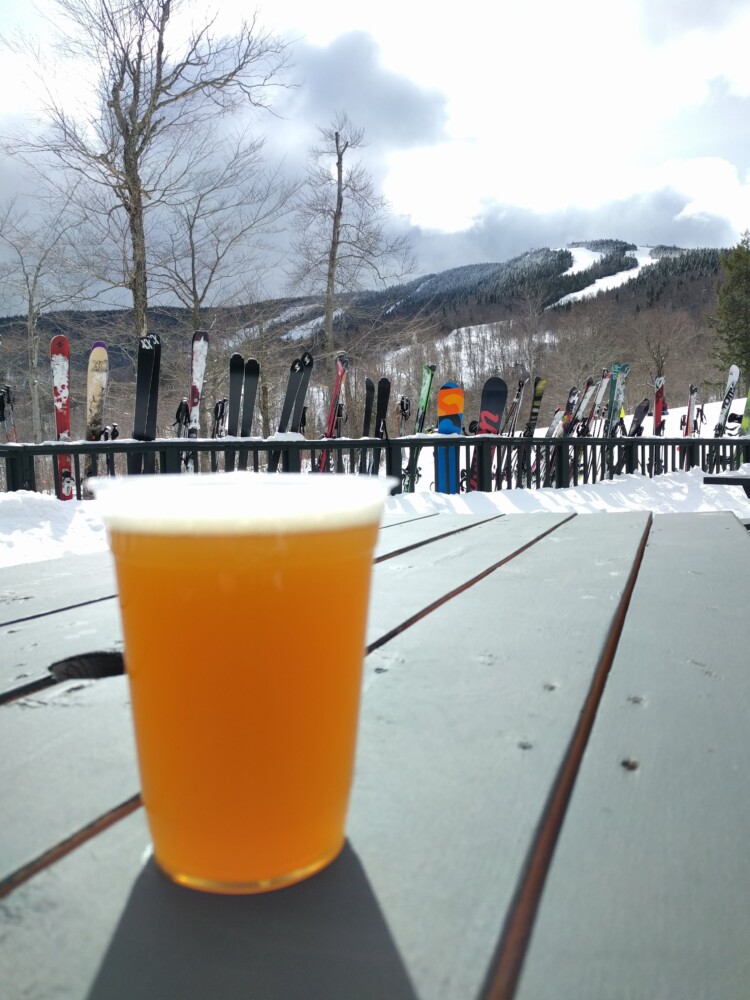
(732, 319)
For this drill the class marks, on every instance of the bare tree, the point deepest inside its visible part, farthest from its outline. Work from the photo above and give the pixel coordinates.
(38, 275)
(210, 241)
(156, 91)
(342, 240)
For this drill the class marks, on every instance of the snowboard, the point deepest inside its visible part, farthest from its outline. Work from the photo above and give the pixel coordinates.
(450, 412)
(491, 406)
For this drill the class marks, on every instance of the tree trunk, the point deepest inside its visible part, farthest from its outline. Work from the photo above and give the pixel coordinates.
(139, 283)
(33, 347)
(333, 255)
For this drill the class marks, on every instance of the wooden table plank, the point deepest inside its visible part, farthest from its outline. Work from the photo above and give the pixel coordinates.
(416, 531)
(466, 717)
(406, 585)
(648, 893)
(43, 587)
(30, 647)
(66, 756)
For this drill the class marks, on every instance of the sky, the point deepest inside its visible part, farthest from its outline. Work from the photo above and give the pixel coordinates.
(35, 527)
(495, 128)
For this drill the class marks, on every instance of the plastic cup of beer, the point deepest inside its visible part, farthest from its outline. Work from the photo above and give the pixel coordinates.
(244, 602)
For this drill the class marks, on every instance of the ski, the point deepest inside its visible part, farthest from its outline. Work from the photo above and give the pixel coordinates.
(182, 418)
(11, 433)
(744, 432)
(404, 410)
(635, 430)
(450, 411)
(716, 460)
(198, 359)
(218, 428)
(367, 420)
(555, 425)
(640, 414)
(569, 412)
(234, 405)
(540, 383)
(511, 417)
(659, 409)
(251, 377)
(581, 422)
(731, 388)
(333, 423)
(412, 470)
(381, 415)
(618, 378)
(59, 355)
(293, 384)
(491, 406)
(146, 400)
(687, 424)
(96, 393)
(298, 409)
(595, 423)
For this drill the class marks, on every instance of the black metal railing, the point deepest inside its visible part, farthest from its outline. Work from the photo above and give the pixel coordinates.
(501, 463)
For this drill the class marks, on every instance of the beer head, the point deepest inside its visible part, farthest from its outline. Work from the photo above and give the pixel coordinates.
(239, 502)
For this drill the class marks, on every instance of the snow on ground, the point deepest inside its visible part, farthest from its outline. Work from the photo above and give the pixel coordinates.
(36, 526)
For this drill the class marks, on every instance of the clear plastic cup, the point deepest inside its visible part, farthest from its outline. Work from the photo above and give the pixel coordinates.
(244, 603)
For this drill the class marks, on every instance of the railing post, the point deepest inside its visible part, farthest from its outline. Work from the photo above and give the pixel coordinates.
(19, 470)
(484, 466)
(393, 460)
(170, 460)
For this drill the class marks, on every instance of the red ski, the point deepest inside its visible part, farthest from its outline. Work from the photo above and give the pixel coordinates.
(334, 421)
(59, 356)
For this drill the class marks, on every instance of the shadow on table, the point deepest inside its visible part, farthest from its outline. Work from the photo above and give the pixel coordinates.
(325, 937)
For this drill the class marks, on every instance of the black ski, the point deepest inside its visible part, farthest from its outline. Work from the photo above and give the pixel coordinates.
(307, 362)
(218, 430)
(381, 415)
(11, 434)
(236, 378)
(249, 392)
(404, 410)
(146, 399)
(182, 418)
(295, 380)
(636, 424)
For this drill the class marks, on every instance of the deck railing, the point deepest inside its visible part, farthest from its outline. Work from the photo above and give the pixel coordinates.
(501, 462)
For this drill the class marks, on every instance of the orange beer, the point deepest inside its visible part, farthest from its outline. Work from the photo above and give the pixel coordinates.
(245, 707)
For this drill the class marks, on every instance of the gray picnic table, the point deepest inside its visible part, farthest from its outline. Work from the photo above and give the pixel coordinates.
(550, 801)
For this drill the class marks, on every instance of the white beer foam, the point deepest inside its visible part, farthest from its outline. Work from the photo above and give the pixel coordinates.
(239, 502)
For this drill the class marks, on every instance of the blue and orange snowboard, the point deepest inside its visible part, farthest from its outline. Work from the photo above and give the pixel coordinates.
(450, 414)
